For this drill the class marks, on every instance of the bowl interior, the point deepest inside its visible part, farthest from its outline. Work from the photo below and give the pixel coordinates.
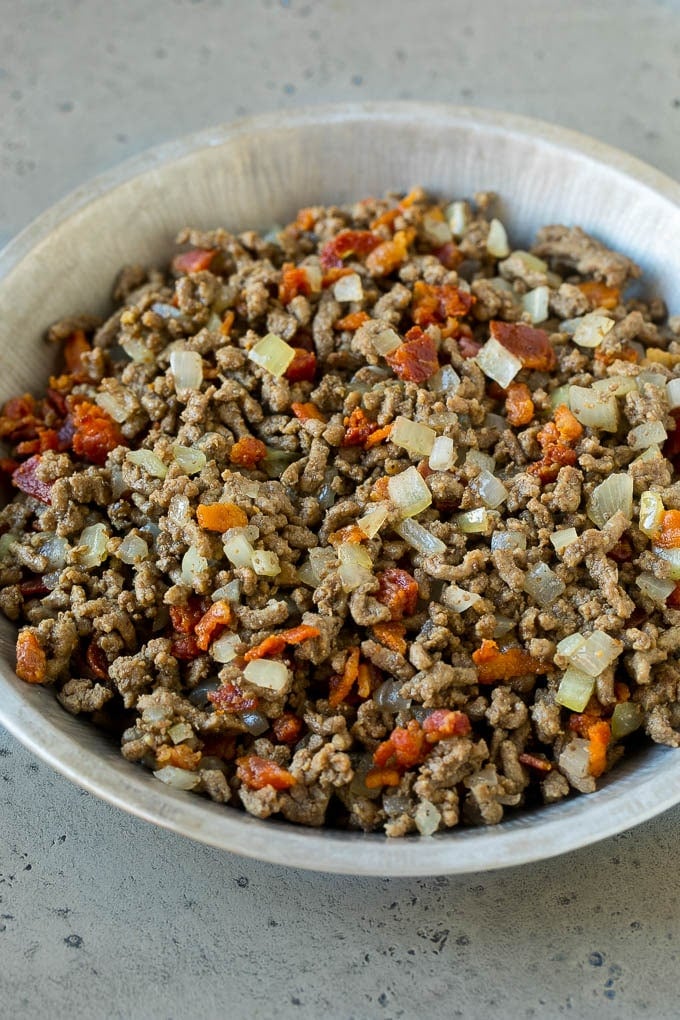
(255, 174)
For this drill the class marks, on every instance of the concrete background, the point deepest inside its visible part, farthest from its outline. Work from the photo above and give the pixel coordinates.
(102, 916)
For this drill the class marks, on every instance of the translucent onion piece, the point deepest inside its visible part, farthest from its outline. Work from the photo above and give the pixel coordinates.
(651, 453)
(651, 512)
(591, 330)
(560, 396)
(443, 455)
(180, 779)
(490, 490)
(655, 588)
(306, 575)
(531, 263)
(255, 722)
(446, 380)
(273, 354)
(268, 673)
(193, 565)
(437, 232)
(650, 379)
(178, 510)
(458, 216)
(314, 277)
(673, 393)
(348, 288)
(498, 364)
(265, 563)
(535, 302)
(648, 434)
(95, 539)
(569, 645)
(322, 561)
(473, 522)
(615, 385)
(356, 566)
(148, 460)
(613, 494)
(54, 549)
(132, 549)
(508, 540)
(672, 557)
(419, 538)
(503, 626)
(427, 818)
(413, 437)
(388, 697)
(113, 407)
(409, 492)
(191, 461)
(458, 599)
(598, 652)
(372, 522)
(594, 408)
(497, 240)
(498, 283)
(484, 461)
(563, 538)
(137, 352)
(494, 421)
(224, 648)
(386, 341)
(231, 592)
(187, 368)
(575, 690)
(166, 310)
(238, 549)
(626, 718)
(179, 732)
(543, 584)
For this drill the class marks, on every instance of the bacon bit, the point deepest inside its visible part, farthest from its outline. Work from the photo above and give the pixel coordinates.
(436, 304)
(358, 428)
(414, 195)
(468, 348)
(352, 321)
(365, 680)
(377, 437)
(47, 439)
(449, 255)
(391, 635)
(519, 407)
(668, 535)
(256, 773)
(56, 401)
(184, 618)
(622, 552)
(231, 699)
(97, 661)
(306, 218)
(193, 261)
(343, 685)
(556, 439)
(442, 724)
(347, 242)
(494, 664)
(181, 757)
(287, 728)
(227, 322)
(218, 616)
(398, 590)
(31, 659)
(386, 219)
(307, 412)
(416, 360)
(548, 468)
(96, 434)
(219, 745)
(185, 647)
(34, 586)
(75, 347)
(352, 533)
(581, 722)
(381, 777)
(335, 274)
(26, 478)
(532, 346)
(568, 426)
(622, 691)
(599, 735)
(624, 353)
(532, 761)
(673, 599)
(303, 366)
(380, 490)
(269, 646)
(405, 747)
(303, 632)
(248, 452)
(389, 255)
(599, 294)
(294, 281)
(20, 407)
(220, 516)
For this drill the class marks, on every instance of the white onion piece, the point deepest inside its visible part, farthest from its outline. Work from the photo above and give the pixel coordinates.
(193, 565)
(238, 549)
(268, 673)
(458, 216)
(427, 818)
(575, 690)
(563, 538)
(224, 648)
(473, 522)
(594, 408)
(322, 561)
(651, 512)
(569, 645)
(348, 288)
(231, 592)
(388, 697)
(503, 626)
(413, 437)
(180, 779)
(148, 460)
(437, 232)
(592, 329)
(443, 455)
(113, 407)
(495, 421)
(490, 490)
(672, 557)
(138, 352)
(356, 566)
(508, 540)
(54, 549)
(650, 379)
(626, 718)
(314, 277)
(458, 599)
(615, 385)
(187, 368)
(651, 453)
(94, 538)
(497, 363)
(543, 584)
(535, 302)
(499, 283)
(648, 434)
(574, 761)
(418, 537)
(179, 732)
(673, 393)
(265, 563)
(446, 380)
(386, 341)
(306, 575)
(531, 263)
(409, 492)
(598, 652)
(560, 396)
(655, 588)
(613, 494)
(191, 461)
(255, 722)
(132, 549)
(497, 240)
(484, 461)
(273, 354)
(179, 509)
(372, 522)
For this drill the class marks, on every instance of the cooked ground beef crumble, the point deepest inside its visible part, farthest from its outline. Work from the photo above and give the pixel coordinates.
(370, 522)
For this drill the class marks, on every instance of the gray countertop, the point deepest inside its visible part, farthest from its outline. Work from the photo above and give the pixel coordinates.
(104, 916)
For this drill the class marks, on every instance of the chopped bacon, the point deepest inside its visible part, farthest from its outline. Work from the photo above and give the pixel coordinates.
(599, 737)
(347, 242)
(294, 281)
(193, 261)
(275, 643)
(416, 359)
(599, 294)
(365, 680)
(468, 347)
(557, 438)
(358, 428)
(227, 322)
(555, 457)
(442, 724)
(26, 478)
(381, 777)
(181, 756)
(377, 437)
(220, 516)
(533, 761)
(306, 218)
(389, 255)
(20, 407)
(622, 353)
(256, 773)
(668, 534)
(449, 255)
(391, 635)
(230, 698)
(380, 490)
(386, 219)
(437, 304)
(184, 618)
(31, 659)
(568, 426)
(57, 401)
(352, 321)
(341, 686)
(397, 590)
(493, 664)
(248, 452)
(333, 275)
(96, 434)
(519, 407)
(211, 623)
(673, 600)
(75, 347)
(532, 346)
(303, 366)
(303, 632)
(34, 586)
(97, 661)
(307, 412)
(405, 747)
(351, 533)
(185, 647)
(47, 439)
(287, 728)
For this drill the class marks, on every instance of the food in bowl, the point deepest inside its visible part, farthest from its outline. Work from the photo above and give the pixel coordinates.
(372, 522)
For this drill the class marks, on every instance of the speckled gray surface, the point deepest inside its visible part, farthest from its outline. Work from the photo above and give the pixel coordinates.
(102, 916)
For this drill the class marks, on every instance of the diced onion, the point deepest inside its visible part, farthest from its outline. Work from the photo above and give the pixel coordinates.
(591, 329)
(615, 385)
(191, 461)
(268, 673)
(535, 302)
(386, 341)
(596, 654)
(372, 522)
(655, 588)
(458, 215)
(418, 537)
(138, 352)
(473, 522)
(563, 538)
(568, 645)
(490, 490)
(427, 818)
(648, 434)
(673, 393)
(348, 288)
(187, 368)
(322, 561)
(265, 563)
(273, 354)
(193, 565)
(443, 455)
(255, 722)
(497, 240)
(613, 494)
(95, 540)
(180, 779)
(626, 718)
(508, 540)
(54, 549)
(484, 461)
(543, 584)
(650, 379)
(224, 648)
(651, 453)
(672, 557)
(179, 732)
(132, 549)
(148, 460)
(231, 592)
(458, 599)
(238, 549)
(413, 437)
(651, 511)
(503, 626)
(594, 408)
(497, 363)
(560, 396)
(446, 380)
(113, 407)
(575, 690)
(388, 697)
(409, 492)
(437, 232)
(356, 566)
(531, 263)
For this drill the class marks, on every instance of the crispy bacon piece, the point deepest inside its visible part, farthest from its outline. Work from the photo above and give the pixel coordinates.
(32, 587)
(248, 452)
(181, 756)
(276, 643)
(623, 353)
(341, 686)
(389, 255)
(557, 438)
(365, 680)
(333, 275)
(493, 664)
(532, 761)
(599, 735)
(380, 490)
(26, 478)
(256, 773)
(519, 407)
(468, 347)
(306, 218)
(398, 590)
(532, 346)
(381, 777)
(303, 632)
(599, 294)
(358, 428)
(436, 304)
(184, 618)
(568, 426)
(377, 437)
(449, 255)
(193, 261)
(668, 535)
(211, 623)
(416, 360)
(97, 661)
(442, 724)
(20, 407)
(75, 347)
(303, 366)
(95, 434)
(307, 412)
(352, 321)
(391, 635)
(231, 699)
(351, 533)
(347, 242)
(554, 458)
(406, 746)
(47, 439)
(220, 516)
(31, 659)
(287, 728)
(294, 281)
(185, 647)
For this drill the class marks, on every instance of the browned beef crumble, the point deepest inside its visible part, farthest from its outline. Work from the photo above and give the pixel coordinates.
(378, 675)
